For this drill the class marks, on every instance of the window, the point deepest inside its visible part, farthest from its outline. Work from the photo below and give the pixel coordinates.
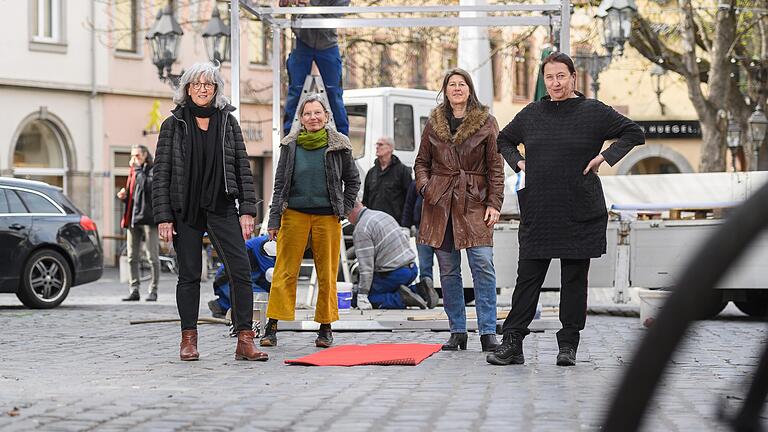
(403, 127)
(47, 20)
(14, 202)
(37, 203)
(257, 169)
(39, 154)
(496, 69)
(418, 64)
(450, 58)
(423, 123)
(357, 116)
(126, 26)
(3, 202)
(522, 80)
(258, 47)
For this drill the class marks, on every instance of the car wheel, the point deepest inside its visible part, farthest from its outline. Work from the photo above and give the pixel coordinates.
(46, 280)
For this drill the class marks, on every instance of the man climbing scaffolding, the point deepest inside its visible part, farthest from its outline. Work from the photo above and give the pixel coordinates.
(321, 47)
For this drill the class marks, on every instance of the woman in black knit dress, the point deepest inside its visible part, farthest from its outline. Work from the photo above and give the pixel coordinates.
(563, 213)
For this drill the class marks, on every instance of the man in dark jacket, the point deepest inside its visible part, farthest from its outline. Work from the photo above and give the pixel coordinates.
(139, 223)
(386, 184)
(320, 46)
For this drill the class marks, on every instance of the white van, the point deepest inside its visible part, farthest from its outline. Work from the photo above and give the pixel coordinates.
(387, 111)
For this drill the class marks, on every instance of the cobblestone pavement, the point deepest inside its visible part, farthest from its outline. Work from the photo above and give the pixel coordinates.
(83, 367)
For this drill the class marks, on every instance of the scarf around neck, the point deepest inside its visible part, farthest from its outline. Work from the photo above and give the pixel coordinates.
(313, 140)
(204, 165)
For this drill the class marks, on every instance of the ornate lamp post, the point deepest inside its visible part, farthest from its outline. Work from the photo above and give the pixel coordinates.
(657, 75)
(758, 124)
(616, 16)
(733, 139)
(216, 37)
(164, 38)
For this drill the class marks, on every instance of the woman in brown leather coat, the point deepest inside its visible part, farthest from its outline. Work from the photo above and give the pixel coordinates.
(460, 174)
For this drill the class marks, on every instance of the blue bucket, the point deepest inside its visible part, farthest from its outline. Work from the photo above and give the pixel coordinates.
(344, 295)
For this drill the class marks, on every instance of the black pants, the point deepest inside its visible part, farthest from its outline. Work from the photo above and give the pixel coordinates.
(226, 236)
(573, 298)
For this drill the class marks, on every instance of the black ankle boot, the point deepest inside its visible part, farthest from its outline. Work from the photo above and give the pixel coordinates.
(270, 334)
(509, 352)
(488, 342)
(455, 342)
(324, 336)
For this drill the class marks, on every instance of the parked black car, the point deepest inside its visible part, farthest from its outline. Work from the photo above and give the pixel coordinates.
(47, 245)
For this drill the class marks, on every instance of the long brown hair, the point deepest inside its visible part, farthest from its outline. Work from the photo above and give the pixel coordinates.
(472, 102)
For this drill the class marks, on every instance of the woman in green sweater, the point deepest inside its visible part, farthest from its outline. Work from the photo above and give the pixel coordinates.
(316, 183)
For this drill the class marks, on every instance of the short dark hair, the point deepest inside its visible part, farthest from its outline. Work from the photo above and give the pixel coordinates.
(559, 57)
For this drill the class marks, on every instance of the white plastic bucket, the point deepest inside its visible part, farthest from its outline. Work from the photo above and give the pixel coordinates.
(651, 302)
(344, 295)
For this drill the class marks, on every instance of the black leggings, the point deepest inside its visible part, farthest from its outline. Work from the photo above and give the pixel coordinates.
(226, 236)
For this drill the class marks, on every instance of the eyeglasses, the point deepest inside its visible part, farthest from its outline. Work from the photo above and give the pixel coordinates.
(207, 86)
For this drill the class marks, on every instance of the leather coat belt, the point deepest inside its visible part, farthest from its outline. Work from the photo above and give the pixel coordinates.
(462, 176)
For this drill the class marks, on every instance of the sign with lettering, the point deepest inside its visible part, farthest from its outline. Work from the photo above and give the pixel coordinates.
(251, 130)
(671, 128)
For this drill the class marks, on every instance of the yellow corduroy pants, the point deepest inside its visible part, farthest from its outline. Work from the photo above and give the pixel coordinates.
(295, 228)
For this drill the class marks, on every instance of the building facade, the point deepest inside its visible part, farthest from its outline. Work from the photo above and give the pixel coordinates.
(82, 90)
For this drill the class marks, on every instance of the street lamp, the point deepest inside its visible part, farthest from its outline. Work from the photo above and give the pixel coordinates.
(164, 38)
(216, 37)
(617, 21)
(733, 139)
(593, 64)
(657, 74)
(758, 124)
(616, 16)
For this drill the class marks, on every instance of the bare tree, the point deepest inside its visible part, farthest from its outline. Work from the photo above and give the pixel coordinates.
(722, 53)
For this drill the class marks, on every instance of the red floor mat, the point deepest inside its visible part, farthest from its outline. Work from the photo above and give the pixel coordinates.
(374, 354)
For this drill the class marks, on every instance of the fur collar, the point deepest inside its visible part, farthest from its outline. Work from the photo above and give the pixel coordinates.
(473, 121)
(336, 140)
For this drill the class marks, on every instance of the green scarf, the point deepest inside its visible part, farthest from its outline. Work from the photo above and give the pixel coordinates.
(313, 140)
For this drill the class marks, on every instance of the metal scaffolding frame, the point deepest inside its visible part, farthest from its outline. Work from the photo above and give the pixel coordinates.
(281, 18)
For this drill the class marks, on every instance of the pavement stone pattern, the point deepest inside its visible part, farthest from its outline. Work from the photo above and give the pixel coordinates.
(81, 366)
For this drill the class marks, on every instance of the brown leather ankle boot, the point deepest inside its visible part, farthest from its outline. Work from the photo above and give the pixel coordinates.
(188, 347)
(246, 348)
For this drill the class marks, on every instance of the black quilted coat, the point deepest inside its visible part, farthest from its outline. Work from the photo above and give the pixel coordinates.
(562, 211)
(169, 175)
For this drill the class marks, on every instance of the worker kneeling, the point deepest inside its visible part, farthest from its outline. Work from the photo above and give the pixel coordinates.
(386, 264)
(261, 254)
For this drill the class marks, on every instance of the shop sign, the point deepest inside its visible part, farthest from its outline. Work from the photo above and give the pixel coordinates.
(671, 129)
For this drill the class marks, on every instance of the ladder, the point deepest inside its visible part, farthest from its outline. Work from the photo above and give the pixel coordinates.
(313, 83)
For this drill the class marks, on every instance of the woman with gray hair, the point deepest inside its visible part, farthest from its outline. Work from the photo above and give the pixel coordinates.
(203, 182)
(316, 183)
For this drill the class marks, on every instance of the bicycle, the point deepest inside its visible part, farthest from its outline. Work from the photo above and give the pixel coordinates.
(693, 293)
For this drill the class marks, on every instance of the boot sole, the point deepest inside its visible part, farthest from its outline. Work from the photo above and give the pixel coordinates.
(190, 358)
(565, 362)
(323, 344)
(519, 359)
(259, 358)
